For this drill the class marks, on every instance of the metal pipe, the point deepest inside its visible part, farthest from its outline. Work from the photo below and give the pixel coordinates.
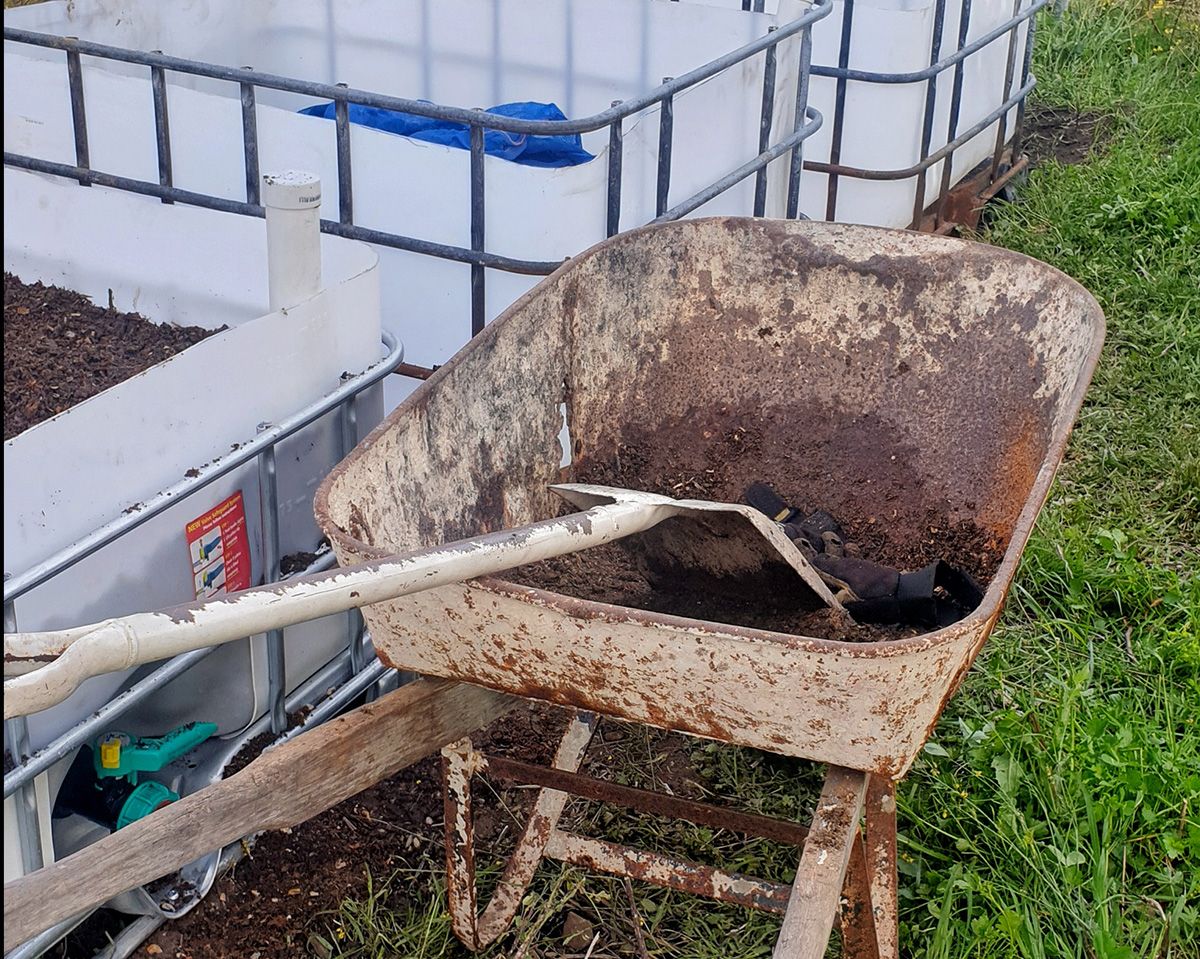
(162, 128)
(344, 170)
(478, 279)
(249, 134)
(64, 559)
(615, 138)
(817, 11)
(100, 720)
(666, 125)
(802, 81)
(78, 110)
(268, 497)
(764, 127)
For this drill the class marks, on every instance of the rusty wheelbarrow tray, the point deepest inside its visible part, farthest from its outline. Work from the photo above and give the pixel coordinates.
(948, 373)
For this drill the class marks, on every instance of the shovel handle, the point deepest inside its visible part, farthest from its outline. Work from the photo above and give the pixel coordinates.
(117, 644)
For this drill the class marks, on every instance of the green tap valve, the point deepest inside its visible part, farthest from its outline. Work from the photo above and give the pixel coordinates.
(122, 755)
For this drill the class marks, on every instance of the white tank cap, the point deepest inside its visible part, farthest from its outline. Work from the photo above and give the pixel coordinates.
(291, 190)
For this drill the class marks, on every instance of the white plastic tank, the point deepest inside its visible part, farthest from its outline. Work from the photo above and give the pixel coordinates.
(581, 55)
(71, 474)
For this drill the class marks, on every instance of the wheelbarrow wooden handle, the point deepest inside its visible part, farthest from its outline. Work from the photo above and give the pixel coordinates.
(285, 786)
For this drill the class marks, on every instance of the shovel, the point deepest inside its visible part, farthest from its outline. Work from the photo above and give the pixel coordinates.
(729, 538)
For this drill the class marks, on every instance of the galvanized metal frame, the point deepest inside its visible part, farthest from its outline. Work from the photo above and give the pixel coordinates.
(856, 892)
(19, 780)
(363, 676)
(999, 172)
(807, 122)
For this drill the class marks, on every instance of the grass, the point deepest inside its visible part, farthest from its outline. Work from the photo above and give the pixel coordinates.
(1055, 813)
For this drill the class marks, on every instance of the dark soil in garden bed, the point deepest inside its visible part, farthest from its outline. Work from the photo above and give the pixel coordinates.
(61, 349)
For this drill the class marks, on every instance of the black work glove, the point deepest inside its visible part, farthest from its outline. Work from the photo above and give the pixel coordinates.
(935, 596)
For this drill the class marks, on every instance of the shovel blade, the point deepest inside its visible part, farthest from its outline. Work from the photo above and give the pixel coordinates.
(720, 542)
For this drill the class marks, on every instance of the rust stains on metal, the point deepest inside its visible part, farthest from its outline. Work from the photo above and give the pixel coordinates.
(668, 871)
(899, 374)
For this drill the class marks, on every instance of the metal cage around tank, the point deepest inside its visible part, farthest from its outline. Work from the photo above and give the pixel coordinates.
(806, 122)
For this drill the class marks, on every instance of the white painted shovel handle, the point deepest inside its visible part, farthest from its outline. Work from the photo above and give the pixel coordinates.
(118, 644)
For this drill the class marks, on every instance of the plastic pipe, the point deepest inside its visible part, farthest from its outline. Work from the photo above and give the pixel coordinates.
(293, 206)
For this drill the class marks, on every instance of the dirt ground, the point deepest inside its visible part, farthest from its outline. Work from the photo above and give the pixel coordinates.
(1066, 135)
(61, 349)
(272, 901)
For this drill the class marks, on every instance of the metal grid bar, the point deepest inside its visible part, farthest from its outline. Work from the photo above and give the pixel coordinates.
(1006, 91)
(802, 82)
(467, 117)
(345, 183)
(249, 140)
(764, 132)
(478, 279)
(64, 559)
(268, 495)
(935, 52)
(78, 110)
(1019, 126)
(477, 256)
(666, 132)
(839, 109)
(916, 76)
(162, 129)
(615, 140)
(964, 26)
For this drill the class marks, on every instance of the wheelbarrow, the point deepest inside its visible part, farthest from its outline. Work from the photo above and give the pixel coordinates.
(945, 372)
(948, 372)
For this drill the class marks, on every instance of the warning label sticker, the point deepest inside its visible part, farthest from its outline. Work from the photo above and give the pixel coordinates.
(220, 549)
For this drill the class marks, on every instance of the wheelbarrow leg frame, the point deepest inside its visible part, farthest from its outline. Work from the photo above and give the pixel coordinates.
(846, 876)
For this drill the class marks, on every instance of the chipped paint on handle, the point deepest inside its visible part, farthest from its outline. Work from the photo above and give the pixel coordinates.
(80, 653)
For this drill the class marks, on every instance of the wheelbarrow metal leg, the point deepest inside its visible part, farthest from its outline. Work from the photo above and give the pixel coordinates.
(817, 889)
(547, 808)
(460, 762)
(669, 872)
(856, 917)
(881, 863)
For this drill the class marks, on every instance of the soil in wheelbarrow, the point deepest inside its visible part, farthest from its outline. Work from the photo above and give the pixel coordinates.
(881, 508)
(61, 349)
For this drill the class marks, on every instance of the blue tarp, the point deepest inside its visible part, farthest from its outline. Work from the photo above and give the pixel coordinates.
(543, 151)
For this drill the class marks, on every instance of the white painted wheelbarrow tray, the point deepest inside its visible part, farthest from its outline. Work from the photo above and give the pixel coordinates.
(966, 362)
